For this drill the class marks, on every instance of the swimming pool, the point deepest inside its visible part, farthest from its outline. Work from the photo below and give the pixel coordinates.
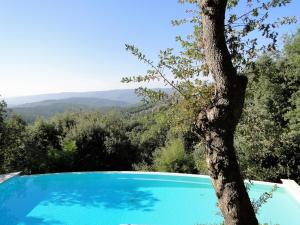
(126, 198)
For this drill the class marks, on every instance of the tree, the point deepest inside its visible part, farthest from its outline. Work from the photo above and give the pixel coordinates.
(2, 129)
(13, 149)
(42, 139)
(218, 121)
(222, 48)
(12, 135)
(268, 139)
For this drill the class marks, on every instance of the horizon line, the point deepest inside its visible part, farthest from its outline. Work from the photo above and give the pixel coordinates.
(76, 92)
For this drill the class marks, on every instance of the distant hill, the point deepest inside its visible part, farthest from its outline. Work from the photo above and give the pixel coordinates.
(30, 111)
(127, 95)
(47, 105)
(76, 102)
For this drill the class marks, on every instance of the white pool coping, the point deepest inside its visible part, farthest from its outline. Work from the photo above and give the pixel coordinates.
(292, 187)
(5, 177)
(156, 173)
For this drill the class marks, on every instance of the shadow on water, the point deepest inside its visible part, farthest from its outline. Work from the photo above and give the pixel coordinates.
(19, 196)
(39, 221)
(16, 202)
(129, 197)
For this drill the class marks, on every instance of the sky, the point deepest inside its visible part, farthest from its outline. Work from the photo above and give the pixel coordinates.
(49, 46)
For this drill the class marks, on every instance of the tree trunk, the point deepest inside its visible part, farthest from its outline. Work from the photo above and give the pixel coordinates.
(218, 122)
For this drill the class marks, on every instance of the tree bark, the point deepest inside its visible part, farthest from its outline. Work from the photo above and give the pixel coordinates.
(218, 122)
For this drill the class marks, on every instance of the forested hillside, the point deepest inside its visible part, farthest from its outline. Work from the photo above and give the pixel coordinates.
(47, 105)
(48, 108)
(160, 137)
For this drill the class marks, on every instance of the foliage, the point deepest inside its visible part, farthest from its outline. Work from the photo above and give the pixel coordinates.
(2, 127)
(81, 141)
(173, 158)
(199, 158)
(268, 139)
(12, 144)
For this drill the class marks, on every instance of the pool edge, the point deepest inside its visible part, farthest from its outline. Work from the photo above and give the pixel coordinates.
(8, 176)
(156, 173)
(292, 187)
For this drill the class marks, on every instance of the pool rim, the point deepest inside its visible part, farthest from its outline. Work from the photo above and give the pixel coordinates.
(147, 173)
(289, 185)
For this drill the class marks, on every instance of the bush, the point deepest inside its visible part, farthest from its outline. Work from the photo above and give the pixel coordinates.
(173, 158)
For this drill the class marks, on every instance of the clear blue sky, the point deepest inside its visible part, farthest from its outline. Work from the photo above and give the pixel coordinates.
(78, 45)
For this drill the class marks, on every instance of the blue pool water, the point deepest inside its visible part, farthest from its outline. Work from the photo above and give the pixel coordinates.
(126, 198)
